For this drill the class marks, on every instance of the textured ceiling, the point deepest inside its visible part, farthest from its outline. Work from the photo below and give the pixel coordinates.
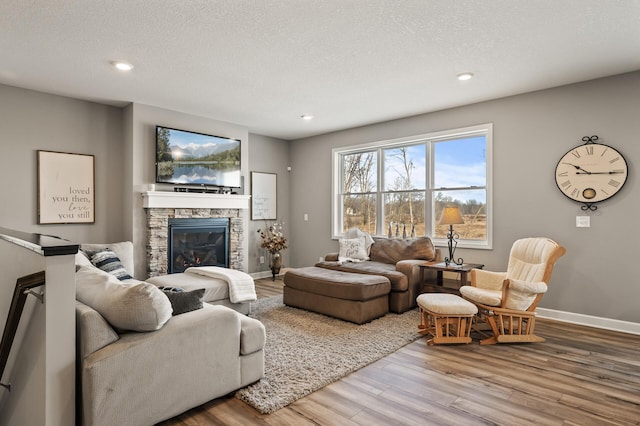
(262, 64)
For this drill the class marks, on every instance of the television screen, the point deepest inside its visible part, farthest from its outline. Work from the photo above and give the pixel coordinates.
(191, 158)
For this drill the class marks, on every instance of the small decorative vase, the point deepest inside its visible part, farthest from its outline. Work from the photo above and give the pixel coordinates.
(276, 264)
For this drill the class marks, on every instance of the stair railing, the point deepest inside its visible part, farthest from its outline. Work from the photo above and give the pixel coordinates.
(24, 287)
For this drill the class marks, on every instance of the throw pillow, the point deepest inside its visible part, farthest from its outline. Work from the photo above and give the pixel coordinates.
(138, 306)
(183, 301)
(352, 250)
(109, 262)
(356, 233)
(124, 250)
(82, 259)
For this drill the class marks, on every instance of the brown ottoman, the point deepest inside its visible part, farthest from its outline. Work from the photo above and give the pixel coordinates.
(358, 298)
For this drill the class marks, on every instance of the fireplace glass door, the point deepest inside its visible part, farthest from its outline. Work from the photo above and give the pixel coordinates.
(197, 242)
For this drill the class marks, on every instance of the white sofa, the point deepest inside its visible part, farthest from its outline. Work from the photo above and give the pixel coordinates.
(216, 290)
(144, 377)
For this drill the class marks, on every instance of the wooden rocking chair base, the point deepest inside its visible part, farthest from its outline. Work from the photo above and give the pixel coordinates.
(509, 326)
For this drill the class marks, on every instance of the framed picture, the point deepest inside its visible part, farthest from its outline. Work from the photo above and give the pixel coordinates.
(263, 196)
(65, 188)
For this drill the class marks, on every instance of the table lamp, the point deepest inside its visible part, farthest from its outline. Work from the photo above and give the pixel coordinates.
(451, 216)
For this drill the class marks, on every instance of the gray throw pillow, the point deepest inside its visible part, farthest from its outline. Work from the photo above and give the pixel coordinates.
(183, 301)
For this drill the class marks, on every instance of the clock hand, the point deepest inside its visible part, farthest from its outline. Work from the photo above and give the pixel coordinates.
(578, 168)
(598, 173)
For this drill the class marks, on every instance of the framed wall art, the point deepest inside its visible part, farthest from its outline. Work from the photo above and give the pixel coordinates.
(263, 196)
(65, 188)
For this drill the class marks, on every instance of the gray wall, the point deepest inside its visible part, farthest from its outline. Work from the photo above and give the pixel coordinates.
(30, 121)
(531, 132)
(269, 155)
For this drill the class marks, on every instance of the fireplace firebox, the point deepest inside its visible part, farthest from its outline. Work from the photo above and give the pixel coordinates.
(197, 242)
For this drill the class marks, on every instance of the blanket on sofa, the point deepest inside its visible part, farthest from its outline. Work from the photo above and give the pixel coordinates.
(241, 286)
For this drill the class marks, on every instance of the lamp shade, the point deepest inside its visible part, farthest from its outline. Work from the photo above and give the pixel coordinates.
(451, 216)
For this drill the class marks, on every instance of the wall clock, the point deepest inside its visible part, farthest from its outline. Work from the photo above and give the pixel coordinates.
(591, 173)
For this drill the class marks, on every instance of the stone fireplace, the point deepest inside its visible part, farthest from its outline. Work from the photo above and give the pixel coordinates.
(165, 207)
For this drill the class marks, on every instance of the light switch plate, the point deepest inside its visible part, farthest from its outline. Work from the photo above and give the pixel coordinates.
(583, 221)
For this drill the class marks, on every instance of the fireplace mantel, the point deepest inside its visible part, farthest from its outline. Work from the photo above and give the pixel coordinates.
(193, 200)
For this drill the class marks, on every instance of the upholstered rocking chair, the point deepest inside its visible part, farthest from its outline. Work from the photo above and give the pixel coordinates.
(507, 300)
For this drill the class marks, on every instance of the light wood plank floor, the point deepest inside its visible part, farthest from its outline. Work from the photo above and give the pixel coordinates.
(579, 376)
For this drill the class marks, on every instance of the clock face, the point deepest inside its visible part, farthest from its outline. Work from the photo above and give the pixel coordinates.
(591, 173)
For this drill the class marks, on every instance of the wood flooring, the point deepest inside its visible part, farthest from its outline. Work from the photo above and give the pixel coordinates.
(579, 376)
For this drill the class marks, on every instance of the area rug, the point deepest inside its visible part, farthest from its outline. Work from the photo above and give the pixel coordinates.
(306, 351)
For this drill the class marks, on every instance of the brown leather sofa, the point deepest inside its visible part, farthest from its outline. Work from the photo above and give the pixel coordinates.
(396, 259)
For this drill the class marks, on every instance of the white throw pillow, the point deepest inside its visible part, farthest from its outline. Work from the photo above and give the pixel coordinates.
(82, 260)
(353, 250)
(356, 233)
(136, 306)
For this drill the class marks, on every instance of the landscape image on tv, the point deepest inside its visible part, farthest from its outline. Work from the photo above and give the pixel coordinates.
(184, 157)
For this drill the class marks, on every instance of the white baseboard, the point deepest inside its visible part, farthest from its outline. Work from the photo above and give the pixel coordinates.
(570, 317)
(590, 321)
(267, 274)
(261, 274)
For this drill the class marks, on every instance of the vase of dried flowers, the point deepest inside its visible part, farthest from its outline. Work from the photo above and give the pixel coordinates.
(274, 241)
(276, 264)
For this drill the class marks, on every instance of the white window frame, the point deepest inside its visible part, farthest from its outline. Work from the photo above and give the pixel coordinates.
(485, 130)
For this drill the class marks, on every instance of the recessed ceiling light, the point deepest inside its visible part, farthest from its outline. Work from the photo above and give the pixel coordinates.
(122, 66)
(306, 117)
(463, 76)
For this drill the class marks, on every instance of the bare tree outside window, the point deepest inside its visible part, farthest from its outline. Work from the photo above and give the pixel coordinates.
(404, 191)
(359, 186)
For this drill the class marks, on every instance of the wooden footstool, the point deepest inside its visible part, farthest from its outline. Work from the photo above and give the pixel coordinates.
(446, 317)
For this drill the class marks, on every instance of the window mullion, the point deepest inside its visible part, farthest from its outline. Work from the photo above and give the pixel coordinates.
(379, 196)
(429, 208)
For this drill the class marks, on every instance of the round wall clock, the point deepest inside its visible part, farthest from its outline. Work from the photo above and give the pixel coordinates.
(591, 173)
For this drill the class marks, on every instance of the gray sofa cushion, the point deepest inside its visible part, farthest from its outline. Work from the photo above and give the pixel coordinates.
(93, 331)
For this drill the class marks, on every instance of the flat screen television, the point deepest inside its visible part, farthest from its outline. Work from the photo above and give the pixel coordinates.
(190, 158)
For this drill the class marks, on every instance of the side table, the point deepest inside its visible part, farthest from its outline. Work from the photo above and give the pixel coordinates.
(463, 270)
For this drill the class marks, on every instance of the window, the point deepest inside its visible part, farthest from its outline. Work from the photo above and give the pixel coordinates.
(400, 187)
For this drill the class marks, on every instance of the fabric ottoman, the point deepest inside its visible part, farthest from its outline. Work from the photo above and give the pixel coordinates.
(357, 298)
(446, 317)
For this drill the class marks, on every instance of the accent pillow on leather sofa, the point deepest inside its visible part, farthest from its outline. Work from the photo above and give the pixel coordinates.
(135, 306)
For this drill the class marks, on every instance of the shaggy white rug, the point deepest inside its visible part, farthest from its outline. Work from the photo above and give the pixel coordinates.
(306, 351)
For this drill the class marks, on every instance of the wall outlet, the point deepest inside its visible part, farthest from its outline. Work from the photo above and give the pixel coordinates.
(320, 259)
(583, 221)
(305, 217)
(261, 259)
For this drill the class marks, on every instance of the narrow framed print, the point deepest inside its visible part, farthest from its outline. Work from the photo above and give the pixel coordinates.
(263, 196)
(65, 188)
